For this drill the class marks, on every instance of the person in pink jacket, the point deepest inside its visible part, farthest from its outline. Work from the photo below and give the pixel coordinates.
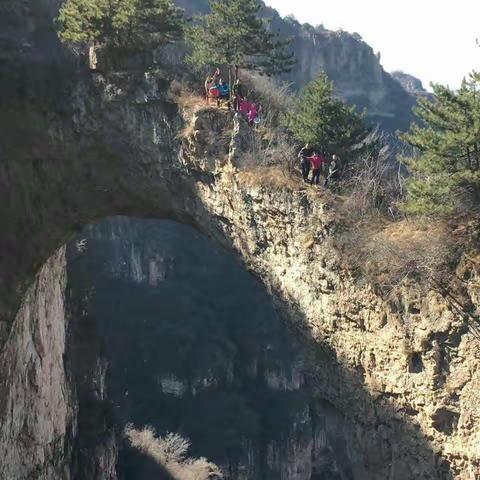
(252, 114)
(317, 160)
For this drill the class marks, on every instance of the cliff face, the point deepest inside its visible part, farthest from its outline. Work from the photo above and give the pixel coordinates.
(404, 377)
(47, 429)
(355, 69)
(36, 407)
(398, 371)
(411, 84)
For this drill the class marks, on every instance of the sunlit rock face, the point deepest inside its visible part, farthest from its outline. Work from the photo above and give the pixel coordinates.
(194, 346)
(34, 386)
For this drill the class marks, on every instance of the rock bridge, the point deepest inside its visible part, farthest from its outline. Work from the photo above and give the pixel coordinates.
(76, 147)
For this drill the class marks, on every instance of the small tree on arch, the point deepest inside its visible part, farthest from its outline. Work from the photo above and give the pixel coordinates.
(233, 34)
(322, 119)
(126, 26)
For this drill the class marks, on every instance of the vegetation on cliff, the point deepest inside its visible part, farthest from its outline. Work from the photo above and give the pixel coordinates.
(319, 118)
(234, 34)
(446, 167)
(128, 26)
(171, 453)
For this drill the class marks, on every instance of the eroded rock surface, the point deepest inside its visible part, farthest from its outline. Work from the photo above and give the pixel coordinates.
(77, 147)
(36, 402)
(406, 370)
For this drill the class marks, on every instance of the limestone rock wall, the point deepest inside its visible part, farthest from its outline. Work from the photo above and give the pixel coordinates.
(406, 372)
(37, 411)
(42, 411)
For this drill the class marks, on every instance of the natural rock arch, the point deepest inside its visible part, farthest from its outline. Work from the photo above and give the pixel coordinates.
(76, 148)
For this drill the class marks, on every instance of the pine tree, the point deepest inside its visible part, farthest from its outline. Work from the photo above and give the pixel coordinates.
(322, 120)
(233, 34)
(130, 25)
(446, 167)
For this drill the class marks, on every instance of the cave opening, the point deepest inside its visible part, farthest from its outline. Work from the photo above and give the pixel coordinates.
(186, 341)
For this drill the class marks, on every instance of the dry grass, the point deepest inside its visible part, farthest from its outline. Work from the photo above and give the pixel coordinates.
(171, 453)
(388, 254)
(377, 242)
(186, 98)
(273, 176)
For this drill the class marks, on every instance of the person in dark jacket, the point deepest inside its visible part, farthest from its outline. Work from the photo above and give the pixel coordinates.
(304, 155)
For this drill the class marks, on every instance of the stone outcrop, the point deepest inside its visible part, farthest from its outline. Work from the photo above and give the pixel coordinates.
(411, 84)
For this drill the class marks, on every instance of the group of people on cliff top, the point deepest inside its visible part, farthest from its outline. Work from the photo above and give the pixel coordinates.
(312, 161)
(218, 90)
(317, 162)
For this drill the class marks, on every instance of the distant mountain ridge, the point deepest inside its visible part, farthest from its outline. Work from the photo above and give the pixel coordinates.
(350, 62)
(411, 84)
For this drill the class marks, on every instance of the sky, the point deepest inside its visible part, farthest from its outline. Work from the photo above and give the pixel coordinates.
(435, 40)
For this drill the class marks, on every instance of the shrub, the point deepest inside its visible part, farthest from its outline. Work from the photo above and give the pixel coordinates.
(388, 255)
(171, 452)
(374, 182)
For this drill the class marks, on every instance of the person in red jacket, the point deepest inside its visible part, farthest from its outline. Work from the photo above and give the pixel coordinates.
(317, 160)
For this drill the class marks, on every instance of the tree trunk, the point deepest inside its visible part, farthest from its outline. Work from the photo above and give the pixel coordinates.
(476, 156)
(469, 159)
(230, 83)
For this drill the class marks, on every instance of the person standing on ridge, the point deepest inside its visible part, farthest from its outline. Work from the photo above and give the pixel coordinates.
(304, 155)
(332, 170)
(208, 86)
(238, 95)
(317, 160)
(210, 83)
(224, 89)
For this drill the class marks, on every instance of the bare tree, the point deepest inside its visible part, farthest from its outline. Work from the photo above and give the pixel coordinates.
(171, 453)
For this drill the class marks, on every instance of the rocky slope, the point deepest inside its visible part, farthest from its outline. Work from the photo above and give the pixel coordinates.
(77, 148)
